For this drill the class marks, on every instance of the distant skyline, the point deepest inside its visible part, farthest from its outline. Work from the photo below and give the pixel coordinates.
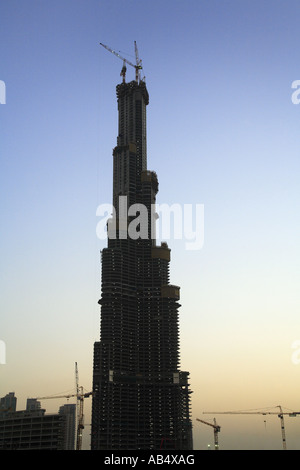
(222, 132)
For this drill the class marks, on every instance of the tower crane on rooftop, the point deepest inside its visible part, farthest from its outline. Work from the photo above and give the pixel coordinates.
(217, 429)
(138, 66)
(280, 415)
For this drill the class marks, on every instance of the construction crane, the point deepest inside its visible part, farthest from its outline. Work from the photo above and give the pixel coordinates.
(138, 66)
(80, 402)
(80, 396)
(80, 417)
(280, 415)
(217, 429)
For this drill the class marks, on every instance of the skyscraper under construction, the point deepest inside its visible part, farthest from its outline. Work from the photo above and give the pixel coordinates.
(141, 400)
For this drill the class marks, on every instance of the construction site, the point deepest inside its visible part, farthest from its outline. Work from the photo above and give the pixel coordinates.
(141, 398)
(35, 429)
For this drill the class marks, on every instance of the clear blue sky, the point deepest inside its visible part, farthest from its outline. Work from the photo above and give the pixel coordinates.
(222, 131)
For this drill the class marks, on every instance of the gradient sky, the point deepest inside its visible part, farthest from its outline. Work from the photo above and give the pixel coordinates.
(222, 131)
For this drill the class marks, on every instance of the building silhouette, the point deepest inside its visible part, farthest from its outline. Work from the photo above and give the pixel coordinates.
(69, 412)
(8, 403)
(141, 398)
(33, 429)
(32, 404)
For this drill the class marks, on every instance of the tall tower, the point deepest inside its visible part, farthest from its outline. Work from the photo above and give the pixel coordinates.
(141, 400)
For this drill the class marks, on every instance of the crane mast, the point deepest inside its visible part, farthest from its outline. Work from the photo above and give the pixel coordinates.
(280, 416)
(138, 62)
(80, 416)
